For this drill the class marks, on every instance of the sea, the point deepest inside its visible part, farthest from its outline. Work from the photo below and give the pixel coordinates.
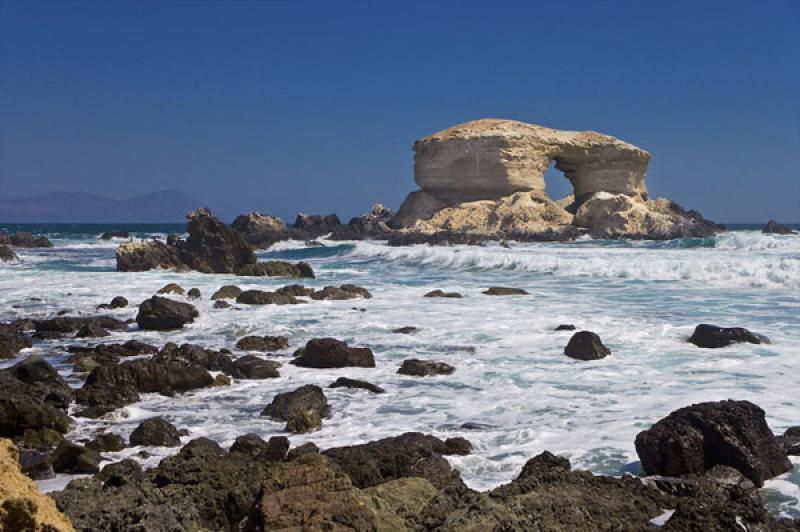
(512, 385)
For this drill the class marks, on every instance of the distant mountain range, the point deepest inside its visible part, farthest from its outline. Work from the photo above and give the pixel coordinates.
(166, 206)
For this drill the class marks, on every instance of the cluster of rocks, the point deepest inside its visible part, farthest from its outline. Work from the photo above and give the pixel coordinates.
(24, 239)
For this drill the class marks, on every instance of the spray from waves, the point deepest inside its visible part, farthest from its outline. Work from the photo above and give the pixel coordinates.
(740, 263)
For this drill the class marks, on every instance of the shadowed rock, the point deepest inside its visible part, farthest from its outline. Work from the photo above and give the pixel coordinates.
(260, 297)
(424, 368)
(155, 431)
(440, 293)
(775, 228)
(262, 343)
(346, 291)
(163, 314)
(332, 353)
(586, 345)
(505, 291)
(344, 382)
(260, 230)
(276, 268)
(711, 336)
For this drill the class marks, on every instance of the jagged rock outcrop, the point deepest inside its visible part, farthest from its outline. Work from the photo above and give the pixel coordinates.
(212, 247)
(7, 254)
(774, 228)
(24, 239)
(487, 177)
(260, 230)
(22, 507)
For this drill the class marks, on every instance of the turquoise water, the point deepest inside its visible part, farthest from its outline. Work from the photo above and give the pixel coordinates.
(643, 298)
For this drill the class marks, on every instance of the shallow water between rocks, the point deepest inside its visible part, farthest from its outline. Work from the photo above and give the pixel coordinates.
(511, 380)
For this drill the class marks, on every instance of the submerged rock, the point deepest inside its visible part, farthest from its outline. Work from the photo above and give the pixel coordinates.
(332, 353)
(424, 368)
(260, 297)
(505, 291)
(163, 314)
(586, 345)
(344, 382)
(440, 293)
(696, 438)
(711, 336)
(302, 408)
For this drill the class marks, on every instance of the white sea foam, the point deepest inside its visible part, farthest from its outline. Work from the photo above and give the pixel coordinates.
(511, 375)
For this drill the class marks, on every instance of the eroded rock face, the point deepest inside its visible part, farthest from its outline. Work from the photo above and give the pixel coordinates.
(260, 230)
(486, 177)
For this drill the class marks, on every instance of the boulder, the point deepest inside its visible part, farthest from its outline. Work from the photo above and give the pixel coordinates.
(91, 330)
(260, 230)
(193, 293)
(7, 254)
(440, 293)
(311, 226)
(22, 506)
(346, 291)
(171, 288)
(712, 336)
(457, 445)
(155, 431)
(141, 256)
(31, 406)
(116, 302)
(209, 359)
(565, 327)
(228, 291)
(75, 459)
(252, 367)
(696, 438)
(24, 239)
(276, 268)
(276, 450)
(296, 290)
(63, 325)
(303, 421)
(424, 368)
(36, 370)
(264, 344)
(107, 442)
(126, 349)
(586, 345)
(260, 297)
(302, 409)
(344, 382)
(250, 444)
(162, 314)
(504, 291)
(774, 228)
(332, 353)
(108, 235)
(790, 441)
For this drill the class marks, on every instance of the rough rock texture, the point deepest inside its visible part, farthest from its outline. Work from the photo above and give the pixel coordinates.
(171, 288)
(441, 293)
(24, 239)
(775, 228)
(260, 230)
(228, 291)
(346, 291)
(155, 431)
(424, 368)
(260, 297)
(31, 406)
(108, 235)
(212, 247)
(505, 291)
(332, 353)
(696, 438)
(22, 507)
(712, 336)
(7, 254)
(344, 382)
(586, 345)
(302, 409)
(73, 458)
(163, 314)
(486, 177)
(253, 367)
(310, 226)
(276, 268)
(12, 342)
(264, 344)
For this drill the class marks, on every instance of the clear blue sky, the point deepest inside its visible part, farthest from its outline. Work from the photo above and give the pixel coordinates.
(314, 106)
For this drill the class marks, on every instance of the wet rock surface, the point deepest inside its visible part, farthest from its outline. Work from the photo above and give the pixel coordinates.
(774, 228)
(332, 353)
(586, 345)
(440, 293)
(696, 438)
(276, 268)
(302, 408)
(259, 230)
(264, 344)
(713, 337)
(344, 382)
(424, 368)
(346, 291)
(155, 431)
(505, 291)
(7, 254)
(260, 297)
(163, 314)
(228, 291)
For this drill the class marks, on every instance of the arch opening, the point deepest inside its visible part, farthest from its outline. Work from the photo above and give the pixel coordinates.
(556, 184)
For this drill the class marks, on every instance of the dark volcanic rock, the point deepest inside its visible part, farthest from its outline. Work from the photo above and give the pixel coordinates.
(108, 235)
(265, 344)
(228, 291)
(64, 325)
(163, 314)
(116, 302)
(259, 297)
(252, 367)
(424, 368)
(276, 268)
(11, 343)
(36, 370)
(209, 359)
(693, 439)
(107, 442)
(310, 226)
(36, 464)
(344, 382)
(155, 431)
(711, 336)
(790, 441)
(410, 455)
(332, 353)
(7, 254)
(127, 349)
(346, 291)
(586, 345)
(565, 327)
(405, 330)
(774, 227)
(276, 450)
(171, 288)
(72, 458)
(504, 291)
(457, 445)
(440, 293)
(308, 401)
(259, 230)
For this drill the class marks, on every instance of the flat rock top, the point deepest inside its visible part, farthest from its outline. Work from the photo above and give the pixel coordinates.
(516, 130)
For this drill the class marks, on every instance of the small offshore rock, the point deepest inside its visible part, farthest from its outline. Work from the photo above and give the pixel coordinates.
(253, 367)
(346, 291)
(108, 235)
(565, 327)
(457, 445)
(228, 291)
(344, 382)
(713, 337)
(171, 288)
(775, 228)
(221, 304)
(586, 345)
(163, 314)
(424, 368)
(107, 442)
(221, 380)
(155, 431)
(193, 293)
(260, 297)
(296, 290)
(276, 268)
(790, 441)
(505, 291)
(440, 293)
(332, 353)
(7, 254)
(264, 344)
(405, 330)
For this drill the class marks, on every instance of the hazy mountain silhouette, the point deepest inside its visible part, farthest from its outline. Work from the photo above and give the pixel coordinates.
(165, 206)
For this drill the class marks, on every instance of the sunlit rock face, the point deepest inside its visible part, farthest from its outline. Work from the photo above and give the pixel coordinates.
(487, 177)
